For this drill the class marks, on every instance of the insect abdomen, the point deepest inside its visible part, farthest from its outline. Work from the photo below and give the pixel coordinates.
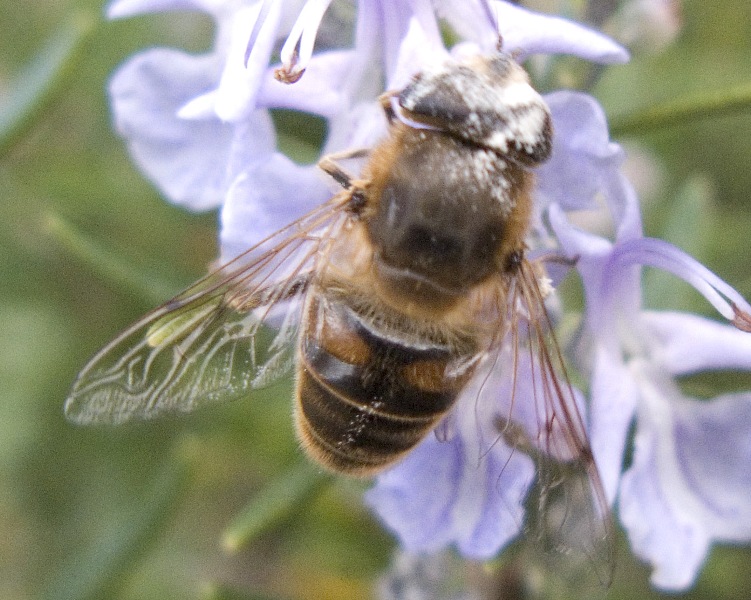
(364, 400)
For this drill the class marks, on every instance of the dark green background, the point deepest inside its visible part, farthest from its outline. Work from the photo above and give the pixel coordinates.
(87, 245)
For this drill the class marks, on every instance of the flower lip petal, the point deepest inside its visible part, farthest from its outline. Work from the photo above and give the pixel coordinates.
(689, 481)
(583, 157)
(414, 498)
(712, 451)
(531, 33)
(674, 547)
(185, 159)
(441, 495)
(268, 194)
(691, 344)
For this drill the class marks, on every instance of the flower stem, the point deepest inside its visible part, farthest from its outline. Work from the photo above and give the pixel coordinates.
(281, 498)
(112, 268)
(684, 110)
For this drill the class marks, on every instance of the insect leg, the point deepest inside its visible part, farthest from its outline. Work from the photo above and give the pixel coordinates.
(386, 101)
(329, 165)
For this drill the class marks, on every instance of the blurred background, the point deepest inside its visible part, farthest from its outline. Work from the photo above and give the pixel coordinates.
(220, 504)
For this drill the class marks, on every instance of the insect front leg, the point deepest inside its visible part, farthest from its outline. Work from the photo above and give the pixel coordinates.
(329, 164)
(356, 199)
(386, 101)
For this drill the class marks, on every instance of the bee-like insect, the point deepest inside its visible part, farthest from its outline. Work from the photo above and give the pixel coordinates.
(387, 298)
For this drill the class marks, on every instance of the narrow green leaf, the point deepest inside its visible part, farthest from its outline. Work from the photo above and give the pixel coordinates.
(278, 500)
(99, 572)
(685, 110)
(37, 85)
(222, 592)
(108, 265)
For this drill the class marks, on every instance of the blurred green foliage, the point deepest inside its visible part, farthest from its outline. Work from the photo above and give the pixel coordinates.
(87, 245)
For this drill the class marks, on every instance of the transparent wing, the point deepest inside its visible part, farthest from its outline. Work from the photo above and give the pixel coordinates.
(568, 517)
(207, 344)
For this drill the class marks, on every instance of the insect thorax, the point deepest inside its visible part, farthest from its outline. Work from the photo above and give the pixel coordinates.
(446, 212)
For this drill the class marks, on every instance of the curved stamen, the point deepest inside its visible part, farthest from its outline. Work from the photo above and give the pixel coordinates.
(662, 255)
(298, 49)
(491, 16)
(263, 13)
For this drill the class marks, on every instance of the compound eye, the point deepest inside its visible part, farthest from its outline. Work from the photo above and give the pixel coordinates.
(503, 114)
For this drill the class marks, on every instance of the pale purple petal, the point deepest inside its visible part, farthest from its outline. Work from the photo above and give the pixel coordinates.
(689, 482)
(268, 195)
(613, 402)
(591, 253)
(713, 447)
(414, 499)
(489, 511)
(689, 343)
(471, 21)
(187, 160)
(624, 206)
(527, 32)
(675, 546)
(362, 126)
(444, 494)
(583, 156)
(323, 90)
(418, 49)
(253, 140)
(583, 246)
(536, 33)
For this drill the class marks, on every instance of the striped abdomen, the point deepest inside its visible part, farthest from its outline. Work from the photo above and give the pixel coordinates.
(364, 400)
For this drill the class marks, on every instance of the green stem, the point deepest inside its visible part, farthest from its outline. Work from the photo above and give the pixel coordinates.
(684, 110)
(111, 267)
(280, 499)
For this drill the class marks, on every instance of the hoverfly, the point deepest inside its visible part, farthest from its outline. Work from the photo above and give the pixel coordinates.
(385, 300)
